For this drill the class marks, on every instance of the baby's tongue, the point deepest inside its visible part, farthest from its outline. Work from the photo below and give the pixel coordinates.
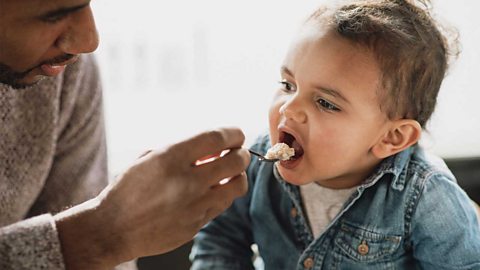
(298, 148)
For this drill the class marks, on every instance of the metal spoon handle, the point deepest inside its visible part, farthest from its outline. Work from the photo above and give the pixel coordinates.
(255, 153)
(261, 157)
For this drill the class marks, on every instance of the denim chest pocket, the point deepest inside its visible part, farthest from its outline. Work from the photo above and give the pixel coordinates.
(361, 245)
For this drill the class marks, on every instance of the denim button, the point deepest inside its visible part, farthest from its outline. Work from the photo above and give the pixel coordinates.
(363, 248)
(293, 212)
(308, 263)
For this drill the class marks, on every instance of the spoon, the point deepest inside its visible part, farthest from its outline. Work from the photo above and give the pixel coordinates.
(262, 157)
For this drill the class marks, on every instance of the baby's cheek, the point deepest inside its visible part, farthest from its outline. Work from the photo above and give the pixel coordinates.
(273, 119)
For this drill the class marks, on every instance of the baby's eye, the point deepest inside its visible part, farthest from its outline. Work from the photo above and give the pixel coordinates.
(326, 105)
(287, 86)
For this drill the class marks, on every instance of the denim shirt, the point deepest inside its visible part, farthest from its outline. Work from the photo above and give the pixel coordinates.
(408, 214)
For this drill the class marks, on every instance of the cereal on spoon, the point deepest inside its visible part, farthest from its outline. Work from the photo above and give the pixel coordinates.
(280, 151)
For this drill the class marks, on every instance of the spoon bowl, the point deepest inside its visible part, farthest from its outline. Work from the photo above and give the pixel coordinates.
(262, 157)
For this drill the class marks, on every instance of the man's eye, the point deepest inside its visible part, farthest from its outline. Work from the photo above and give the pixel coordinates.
(287, 86)
(54, 18)
(326, 105)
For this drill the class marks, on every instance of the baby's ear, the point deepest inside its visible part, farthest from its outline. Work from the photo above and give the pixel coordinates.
(402, 134)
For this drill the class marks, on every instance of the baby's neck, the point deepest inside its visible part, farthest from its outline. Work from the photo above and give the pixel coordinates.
(348, 180)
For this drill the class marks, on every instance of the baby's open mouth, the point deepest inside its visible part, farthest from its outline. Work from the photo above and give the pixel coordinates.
(289, 139)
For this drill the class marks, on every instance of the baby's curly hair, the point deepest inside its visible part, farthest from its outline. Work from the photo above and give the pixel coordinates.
(410, 47)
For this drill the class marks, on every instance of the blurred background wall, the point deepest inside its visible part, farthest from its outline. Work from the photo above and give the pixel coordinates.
(174, 68)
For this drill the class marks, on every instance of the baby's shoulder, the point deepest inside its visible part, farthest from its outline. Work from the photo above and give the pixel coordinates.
(261, 143)
(431, 183)
(426, 168)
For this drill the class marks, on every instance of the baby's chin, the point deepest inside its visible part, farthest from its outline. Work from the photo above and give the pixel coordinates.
(291, 178)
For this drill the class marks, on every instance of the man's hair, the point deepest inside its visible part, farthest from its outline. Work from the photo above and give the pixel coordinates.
(409, 46)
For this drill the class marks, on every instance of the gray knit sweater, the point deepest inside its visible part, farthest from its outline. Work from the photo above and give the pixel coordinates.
(52, 156)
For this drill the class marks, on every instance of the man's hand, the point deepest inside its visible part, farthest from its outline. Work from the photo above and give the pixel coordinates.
(157, 204)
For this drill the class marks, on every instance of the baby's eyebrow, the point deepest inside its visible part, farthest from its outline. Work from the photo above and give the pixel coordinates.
(326, 90)
(287, 71)
(332, 92)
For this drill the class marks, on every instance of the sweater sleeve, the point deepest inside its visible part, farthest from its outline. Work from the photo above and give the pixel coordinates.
(77, 173)
(79, 168)
(31, 244)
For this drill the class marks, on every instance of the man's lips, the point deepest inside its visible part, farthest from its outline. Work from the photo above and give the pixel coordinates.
(53, 69)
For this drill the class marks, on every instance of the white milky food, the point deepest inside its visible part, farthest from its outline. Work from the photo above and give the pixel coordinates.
(280, 151)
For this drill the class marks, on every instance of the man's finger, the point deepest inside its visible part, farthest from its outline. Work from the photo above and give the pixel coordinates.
(209, 143)
(222, 196)
(233, 163)
(219, 198)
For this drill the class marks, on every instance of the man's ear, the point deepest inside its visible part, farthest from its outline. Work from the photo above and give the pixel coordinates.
(402, 134)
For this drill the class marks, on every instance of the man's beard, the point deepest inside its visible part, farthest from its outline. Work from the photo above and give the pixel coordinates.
(13, 78)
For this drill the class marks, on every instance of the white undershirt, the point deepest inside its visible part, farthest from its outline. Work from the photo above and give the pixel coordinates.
(322, 204)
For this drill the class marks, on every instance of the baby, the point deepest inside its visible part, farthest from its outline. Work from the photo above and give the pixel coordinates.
(358, 85)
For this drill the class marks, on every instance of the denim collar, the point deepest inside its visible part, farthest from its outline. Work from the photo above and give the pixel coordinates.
(393, 165)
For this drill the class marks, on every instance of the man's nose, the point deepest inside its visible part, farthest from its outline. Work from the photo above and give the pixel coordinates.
(294, 109)
(81, 35)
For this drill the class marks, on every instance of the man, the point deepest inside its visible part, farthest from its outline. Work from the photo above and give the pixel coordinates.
(52, 156)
